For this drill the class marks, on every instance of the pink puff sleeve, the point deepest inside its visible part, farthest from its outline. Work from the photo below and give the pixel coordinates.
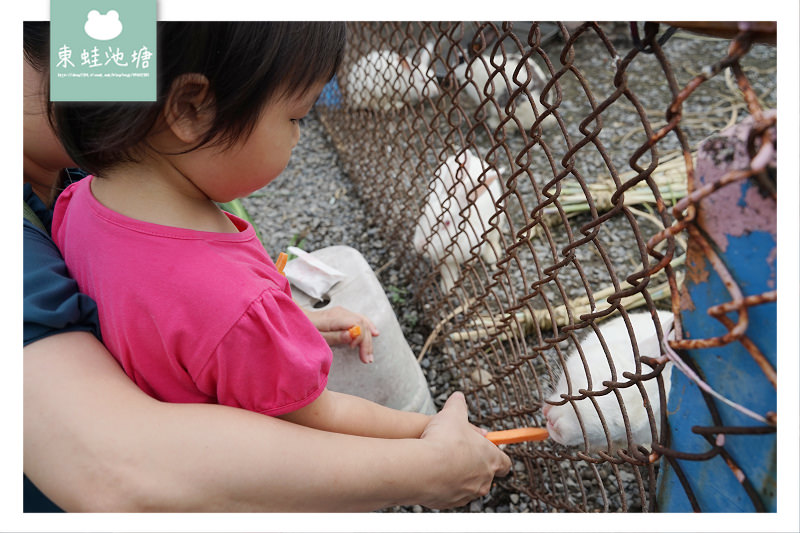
(272, 361)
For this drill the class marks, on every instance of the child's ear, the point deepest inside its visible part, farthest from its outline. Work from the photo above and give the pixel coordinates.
(189, 109)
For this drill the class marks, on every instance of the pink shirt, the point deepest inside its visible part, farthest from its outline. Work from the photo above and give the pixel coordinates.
(192, 316)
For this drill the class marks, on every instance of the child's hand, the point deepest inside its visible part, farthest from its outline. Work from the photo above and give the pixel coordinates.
(335, 325)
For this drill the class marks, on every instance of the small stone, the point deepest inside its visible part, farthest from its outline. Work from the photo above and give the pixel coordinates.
(481, 377)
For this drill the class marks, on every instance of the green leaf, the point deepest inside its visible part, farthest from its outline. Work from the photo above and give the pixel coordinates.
(236, 207)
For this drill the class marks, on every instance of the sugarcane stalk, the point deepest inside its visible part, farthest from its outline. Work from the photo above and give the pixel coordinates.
(669, 177)
(483, 327)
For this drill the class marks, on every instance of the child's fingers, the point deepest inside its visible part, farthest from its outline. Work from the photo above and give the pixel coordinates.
(364, 343)
(362, 337)
(354, 332)
(366, 356)
(335, 337)
(339, 317)
(372, 328)
(340, 326)
(362, 323)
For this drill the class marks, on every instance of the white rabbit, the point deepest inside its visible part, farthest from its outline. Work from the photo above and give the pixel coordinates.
(562, 421)
(482, 78)
(383, 79)
(458, 188)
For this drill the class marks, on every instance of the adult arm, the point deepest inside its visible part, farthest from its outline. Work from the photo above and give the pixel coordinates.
(94, 442)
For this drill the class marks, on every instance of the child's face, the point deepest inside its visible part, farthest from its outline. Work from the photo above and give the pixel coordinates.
(254, 162)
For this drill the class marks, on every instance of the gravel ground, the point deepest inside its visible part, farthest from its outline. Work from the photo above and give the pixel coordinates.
(313, 204)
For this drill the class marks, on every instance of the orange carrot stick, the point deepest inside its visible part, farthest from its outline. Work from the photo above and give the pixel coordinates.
(511, 436)
(281, 262)
(354, 332)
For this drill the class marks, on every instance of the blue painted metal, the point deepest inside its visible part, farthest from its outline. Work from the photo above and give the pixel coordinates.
(731, 371)
(747, 246)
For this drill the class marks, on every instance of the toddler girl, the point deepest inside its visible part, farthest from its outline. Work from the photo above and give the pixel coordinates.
(189, 302)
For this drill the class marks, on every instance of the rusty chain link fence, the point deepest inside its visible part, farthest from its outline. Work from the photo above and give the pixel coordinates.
(537, 181)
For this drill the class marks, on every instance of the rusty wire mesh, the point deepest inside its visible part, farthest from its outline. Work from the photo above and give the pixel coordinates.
(536, 179)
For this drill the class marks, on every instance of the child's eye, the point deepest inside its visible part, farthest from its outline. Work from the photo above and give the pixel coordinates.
(298, 121)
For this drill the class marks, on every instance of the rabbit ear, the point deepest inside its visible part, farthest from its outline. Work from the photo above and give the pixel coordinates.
(666, 318)
(667, 324)
(465, 174)
(450, 170)
(477, 167)
(443, 177)
(463, 171)
(491, 177)
(426, 54)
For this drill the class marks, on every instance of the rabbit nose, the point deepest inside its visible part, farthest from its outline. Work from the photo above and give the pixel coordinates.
(546, 409)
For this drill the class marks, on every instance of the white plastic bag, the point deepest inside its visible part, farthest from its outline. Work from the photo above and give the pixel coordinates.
(311, 275)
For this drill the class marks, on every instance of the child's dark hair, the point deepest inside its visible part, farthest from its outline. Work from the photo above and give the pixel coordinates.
(36, 44)
(246, 63)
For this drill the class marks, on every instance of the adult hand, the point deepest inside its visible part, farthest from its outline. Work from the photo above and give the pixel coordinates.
(469, 462)
(335, 324)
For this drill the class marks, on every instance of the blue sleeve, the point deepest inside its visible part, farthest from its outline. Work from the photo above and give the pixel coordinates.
(51, 304)
(51, 300)
(34, 500)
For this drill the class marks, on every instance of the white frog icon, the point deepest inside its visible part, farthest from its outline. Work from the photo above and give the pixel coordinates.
(102, 27)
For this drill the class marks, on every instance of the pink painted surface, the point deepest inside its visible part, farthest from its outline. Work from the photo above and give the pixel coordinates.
(729, 211)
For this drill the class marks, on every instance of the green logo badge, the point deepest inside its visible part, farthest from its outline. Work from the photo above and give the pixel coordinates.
(103, 50)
